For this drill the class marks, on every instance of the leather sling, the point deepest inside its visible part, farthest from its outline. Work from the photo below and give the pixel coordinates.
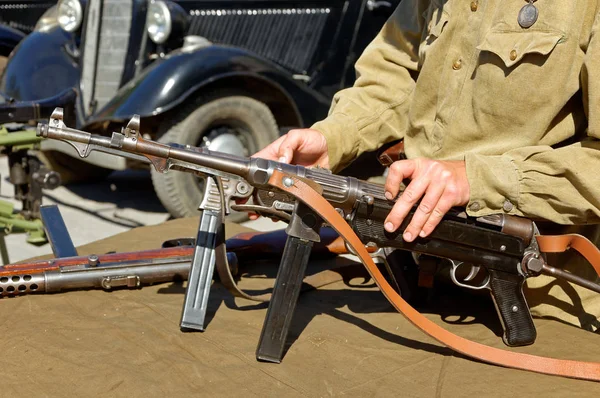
(310, 282)
(552, 366)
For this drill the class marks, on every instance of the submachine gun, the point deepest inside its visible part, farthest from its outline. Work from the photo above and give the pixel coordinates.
(501, 245)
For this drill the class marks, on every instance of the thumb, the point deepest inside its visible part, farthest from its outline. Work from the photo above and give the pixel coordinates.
(288, 147)
(286, 155)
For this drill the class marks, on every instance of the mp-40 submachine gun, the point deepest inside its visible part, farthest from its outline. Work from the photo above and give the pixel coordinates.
(502, 245)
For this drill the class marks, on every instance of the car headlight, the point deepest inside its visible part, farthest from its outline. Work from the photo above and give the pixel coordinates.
(48, 20)
(158, 22)
(70, 15)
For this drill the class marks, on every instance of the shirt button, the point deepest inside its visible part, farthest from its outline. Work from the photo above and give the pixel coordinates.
(475, 206)
(457, 64)
(507, 206)
(474, 5)
(513, 55)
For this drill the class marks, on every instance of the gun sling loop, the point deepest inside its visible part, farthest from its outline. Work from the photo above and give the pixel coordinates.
(320, 279)
(315, 281)
(552, 366)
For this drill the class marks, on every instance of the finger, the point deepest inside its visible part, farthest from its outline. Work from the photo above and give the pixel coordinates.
(413, 192)
(444, 204)
(424, 211)
(286, 154)
(271, 151)
(290, 145)
(397, 173)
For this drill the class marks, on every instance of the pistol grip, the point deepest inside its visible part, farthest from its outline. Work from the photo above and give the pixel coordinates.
(507, 293)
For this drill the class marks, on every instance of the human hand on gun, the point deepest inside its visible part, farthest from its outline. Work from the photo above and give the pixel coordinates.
(304, 147)
(438, 185)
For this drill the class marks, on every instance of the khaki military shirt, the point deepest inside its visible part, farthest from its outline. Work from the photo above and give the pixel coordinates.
(462, 80)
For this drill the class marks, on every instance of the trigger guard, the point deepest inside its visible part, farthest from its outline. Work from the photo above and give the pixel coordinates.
(484, 285)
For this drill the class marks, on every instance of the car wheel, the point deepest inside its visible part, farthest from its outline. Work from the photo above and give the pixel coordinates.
(237, 125)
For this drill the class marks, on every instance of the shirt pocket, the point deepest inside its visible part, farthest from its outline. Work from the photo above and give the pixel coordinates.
(517, 73)
(512, 47)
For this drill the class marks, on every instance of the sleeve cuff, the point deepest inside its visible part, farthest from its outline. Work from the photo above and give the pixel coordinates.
(494, 183)
(341, 135)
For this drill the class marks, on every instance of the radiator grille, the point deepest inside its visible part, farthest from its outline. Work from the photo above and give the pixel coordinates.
(104, 58)
(22, 16)
(287, 36)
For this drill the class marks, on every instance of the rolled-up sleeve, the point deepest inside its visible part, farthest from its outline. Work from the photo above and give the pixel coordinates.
(559, 185)
(375, 110)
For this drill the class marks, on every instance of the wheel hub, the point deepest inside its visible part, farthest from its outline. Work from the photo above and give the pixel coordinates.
(225, 141)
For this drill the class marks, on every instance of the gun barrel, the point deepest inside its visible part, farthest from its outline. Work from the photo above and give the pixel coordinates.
(213, 160)
(106, 277)
(136, 145)
(65, 133)
(132, 276)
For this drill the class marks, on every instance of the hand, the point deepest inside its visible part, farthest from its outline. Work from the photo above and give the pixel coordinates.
(440, 184)
(304, 147)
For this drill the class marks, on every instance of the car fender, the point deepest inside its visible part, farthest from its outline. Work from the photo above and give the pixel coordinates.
(9, 38)
(170, 81)
(40, 67)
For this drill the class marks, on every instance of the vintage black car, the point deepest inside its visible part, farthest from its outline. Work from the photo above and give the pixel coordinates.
(229, 74)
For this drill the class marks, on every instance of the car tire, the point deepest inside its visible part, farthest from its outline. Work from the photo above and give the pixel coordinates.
(235, 124)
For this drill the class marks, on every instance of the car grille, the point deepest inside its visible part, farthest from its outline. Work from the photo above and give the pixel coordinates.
(106, 41)
(22, 15)
(287, 36)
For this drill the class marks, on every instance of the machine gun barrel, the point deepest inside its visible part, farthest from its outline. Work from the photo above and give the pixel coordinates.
(105, 271)
(130, 142)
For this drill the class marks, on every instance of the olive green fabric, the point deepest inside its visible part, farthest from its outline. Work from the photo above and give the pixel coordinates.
(345, 340)
(458, 81)
(462, 80)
